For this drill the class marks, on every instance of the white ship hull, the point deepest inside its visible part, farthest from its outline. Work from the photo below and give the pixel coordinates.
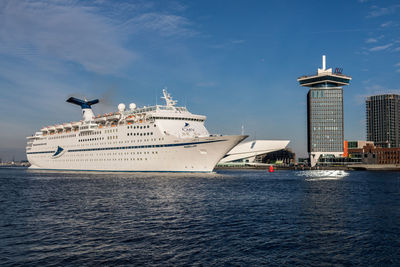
(184, 155)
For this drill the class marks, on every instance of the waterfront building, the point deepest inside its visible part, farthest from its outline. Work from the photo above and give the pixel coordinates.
(252, 152)
(325, 112)
(371, 154)
(358, 144)
(283, 157)
(383, 120)
(354, 151)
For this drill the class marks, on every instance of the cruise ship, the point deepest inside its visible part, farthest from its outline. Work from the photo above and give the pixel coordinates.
(160, 138)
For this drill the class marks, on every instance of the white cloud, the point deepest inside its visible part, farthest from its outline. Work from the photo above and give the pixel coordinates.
(91, 34)
(228, 44)
(238, 41)
(164, 24)
(367, 81)
(376, 11)
(371, 40)
(44, 44)
(381, 11)
(371, 90)
(386, 24)
(380, 48)
(60, 31)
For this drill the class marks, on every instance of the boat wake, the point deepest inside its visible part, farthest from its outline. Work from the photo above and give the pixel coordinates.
(318, 175)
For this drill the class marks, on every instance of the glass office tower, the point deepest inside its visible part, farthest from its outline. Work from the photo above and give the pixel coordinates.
(325, 112)
(383, 120)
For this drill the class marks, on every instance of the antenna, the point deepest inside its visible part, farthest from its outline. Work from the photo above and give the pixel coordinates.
(242, 129)
(323, 70)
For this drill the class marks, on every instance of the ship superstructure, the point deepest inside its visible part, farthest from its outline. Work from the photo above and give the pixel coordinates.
(155, 138)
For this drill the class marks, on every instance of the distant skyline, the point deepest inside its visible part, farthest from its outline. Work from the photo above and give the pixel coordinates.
(237, 62)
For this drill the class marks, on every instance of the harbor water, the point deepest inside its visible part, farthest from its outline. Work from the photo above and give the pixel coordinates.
(231, 217)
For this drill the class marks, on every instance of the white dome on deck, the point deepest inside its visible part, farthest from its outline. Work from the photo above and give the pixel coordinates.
(121, 107)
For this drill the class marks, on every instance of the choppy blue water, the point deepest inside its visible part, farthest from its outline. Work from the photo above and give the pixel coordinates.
(228, 218)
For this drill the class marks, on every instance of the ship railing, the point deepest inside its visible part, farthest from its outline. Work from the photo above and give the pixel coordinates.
(154, 108)
(100, 119)
(114, 117)
(88, 126)
(36, 136)
(165, 108)
(182, 109)
(194, 118)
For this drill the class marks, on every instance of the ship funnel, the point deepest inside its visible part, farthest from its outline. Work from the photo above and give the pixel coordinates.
(87, 111)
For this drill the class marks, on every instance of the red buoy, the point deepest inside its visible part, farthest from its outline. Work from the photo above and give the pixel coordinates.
(271, 168)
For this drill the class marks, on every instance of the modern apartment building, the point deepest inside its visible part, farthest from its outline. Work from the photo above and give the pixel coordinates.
(383, 120)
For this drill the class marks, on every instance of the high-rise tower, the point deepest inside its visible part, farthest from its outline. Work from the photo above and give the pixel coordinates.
(325, 112)
(383, 120)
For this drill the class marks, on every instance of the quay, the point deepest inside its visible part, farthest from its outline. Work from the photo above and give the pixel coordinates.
(352, 167)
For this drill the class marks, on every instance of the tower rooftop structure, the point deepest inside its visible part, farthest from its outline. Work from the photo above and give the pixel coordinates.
(325, 77)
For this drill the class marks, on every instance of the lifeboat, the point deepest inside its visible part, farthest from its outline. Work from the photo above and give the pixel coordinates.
(75, 124)
(130, 118)
(51, 129)
(59, 127)
(44, 130)
(114, 117)
(67, 125)
(100, 119)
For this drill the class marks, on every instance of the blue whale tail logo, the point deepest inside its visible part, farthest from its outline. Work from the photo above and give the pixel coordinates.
(82, 103)
(58, 152)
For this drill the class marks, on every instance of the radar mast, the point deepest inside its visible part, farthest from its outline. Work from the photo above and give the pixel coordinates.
(168, 99)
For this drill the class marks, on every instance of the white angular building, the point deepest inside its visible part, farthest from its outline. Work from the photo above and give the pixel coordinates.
(247, 152)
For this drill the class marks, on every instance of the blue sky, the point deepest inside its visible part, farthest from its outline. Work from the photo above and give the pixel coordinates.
(235, 61)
